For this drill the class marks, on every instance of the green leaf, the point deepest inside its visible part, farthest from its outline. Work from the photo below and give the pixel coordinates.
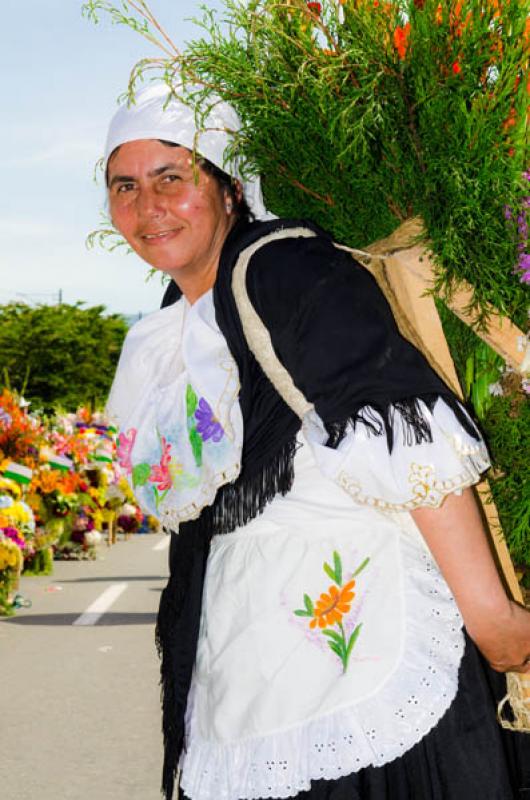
(353, 639)
(301, 612)
(191, 401)
(360, 569)
(330, 573)
(140, 474)
(338, 649)
(309, 604)
(196, 445)
(333, 635)
(337, 563)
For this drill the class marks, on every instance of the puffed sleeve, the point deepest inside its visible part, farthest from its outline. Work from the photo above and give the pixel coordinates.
(384, 425)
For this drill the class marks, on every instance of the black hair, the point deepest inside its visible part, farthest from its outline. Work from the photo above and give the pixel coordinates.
(225, 182)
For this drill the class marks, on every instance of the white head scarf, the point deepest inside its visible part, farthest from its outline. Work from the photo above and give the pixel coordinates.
(154, 116)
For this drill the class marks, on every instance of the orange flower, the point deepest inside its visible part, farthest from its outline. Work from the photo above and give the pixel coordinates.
(332, 605)
(438, 14)
(69, 483)
(48, 481)
(401, 39)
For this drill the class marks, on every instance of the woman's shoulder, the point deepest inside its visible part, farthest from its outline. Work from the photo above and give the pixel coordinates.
(298, 260)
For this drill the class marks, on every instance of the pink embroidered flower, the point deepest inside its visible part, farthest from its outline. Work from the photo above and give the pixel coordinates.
(125, 445)
(160, 473)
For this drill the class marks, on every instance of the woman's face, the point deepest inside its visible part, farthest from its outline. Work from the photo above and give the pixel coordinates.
(172, 213)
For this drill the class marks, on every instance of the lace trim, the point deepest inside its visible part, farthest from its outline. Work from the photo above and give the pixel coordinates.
(373, 732)
(170, 518)
(427, 490)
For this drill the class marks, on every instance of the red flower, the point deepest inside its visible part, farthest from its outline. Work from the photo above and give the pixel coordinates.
(315, 8)
(401, 39)
(457, 69)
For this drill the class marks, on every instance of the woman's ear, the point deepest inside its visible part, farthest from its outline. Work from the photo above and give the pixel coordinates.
(238, 190)
(229, 205)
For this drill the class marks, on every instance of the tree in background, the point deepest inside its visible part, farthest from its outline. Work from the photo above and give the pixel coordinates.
(60, 356)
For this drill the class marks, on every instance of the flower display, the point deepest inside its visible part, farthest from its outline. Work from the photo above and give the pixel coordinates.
(59, 485)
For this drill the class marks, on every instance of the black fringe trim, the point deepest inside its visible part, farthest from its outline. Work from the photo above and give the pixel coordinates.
(401, 416)
(177, 628)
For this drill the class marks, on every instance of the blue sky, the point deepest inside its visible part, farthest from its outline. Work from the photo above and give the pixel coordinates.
(60, 78)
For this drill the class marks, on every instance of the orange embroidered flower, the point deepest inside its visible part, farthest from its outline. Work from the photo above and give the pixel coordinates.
(401, 39)
(332, 605)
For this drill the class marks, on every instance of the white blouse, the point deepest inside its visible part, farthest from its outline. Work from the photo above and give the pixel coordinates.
(329, 640)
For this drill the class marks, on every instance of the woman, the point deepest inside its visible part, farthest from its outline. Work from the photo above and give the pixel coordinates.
(311, 645)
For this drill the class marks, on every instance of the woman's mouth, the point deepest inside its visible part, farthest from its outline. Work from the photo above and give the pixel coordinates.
(159, 237)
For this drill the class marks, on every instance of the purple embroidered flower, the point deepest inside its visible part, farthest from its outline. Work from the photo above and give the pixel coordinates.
(208, 426)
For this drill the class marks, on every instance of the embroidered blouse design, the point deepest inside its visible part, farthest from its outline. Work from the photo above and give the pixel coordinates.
(331, 608)
(168, 471)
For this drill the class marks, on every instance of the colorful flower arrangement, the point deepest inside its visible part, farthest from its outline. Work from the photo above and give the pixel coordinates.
(59, 486)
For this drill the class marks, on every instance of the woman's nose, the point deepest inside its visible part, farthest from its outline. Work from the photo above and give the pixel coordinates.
(149, 203)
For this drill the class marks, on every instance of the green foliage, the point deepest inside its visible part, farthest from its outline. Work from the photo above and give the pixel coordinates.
(507, 427)
(60, 356)
(505, 421)
(41, 563)
(351, 132)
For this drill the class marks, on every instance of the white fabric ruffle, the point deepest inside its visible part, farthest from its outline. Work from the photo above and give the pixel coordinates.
(174, 399)
(412, 475)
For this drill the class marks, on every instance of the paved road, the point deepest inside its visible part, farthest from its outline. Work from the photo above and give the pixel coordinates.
(79, 703)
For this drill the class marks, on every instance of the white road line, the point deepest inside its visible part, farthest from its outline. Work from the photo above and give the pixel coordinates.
(163, 544)
(101, 605)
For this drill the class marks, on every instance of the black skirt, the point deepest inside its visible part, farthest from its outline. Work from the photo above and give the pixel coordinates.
(467, 756)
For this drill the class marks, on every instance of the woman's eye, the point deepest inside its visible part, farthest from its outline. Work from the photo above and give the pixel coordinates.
(170, 178)
(125, 187)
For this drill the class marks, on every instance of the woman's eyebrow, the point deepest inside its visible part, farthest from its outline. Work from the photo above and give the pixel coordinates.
(120, 179)
(154, 173)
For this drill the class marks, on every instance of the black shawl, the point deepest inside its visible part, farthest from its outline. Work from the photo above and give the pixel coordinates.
(333, 330)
